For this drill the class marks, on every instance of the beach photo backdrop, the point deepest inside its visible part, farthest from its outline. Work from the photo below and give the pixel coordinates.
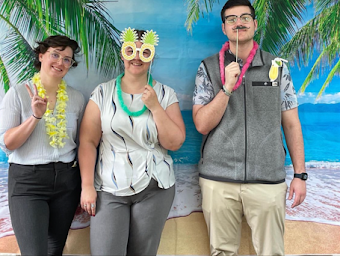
(177, 58)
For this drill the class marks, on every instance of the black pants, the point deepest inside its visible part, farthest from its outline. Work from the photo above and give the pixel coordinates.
(42, 202)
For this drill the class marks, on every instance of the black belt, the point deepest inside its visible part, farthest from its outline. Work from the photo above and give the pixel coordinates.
(55, 165)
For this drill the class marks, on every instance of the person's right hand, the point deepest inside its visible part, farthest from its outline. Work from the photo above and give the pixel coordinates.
(232, 71)
(38, 104)
(88, 199)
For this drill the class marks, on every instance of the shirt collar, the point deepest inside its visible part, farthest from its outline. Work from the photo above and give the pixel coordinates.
(231, 57)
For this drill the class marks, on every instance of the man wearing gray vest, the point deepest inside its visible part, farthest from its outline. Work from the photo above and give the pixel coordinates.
(239, 107)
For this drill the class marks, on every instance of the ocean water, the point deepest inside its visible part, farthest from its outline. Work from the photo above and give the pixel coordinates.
(321, 129)
(5, 223)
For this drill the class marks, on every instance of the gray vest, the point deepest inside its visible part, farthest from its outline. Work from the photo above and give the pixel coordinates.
(246, 146)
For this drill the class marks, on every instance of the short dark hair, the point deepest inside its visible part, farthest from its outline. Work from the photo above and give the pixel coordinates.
(233, 3)
(140, 33)
(55, 41)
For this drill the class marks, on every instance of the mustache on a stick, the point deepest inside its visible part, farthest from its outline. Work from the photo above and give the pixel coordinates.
(241, 27)
(237, 29)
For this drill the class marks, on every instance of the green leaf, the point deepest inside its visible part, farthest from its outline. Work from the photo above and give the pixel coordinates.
(319, 35)
(277, 20)
(4, 79)
(86, 21)
(196, 8)
(335, 69)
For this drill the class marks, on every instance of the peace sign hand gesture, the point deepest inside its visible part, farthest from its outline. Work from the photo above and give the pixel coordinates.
(38, 104)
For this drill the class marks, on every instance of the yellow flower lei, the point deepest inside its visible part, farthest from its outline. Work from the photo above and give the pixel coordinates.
(55, 126)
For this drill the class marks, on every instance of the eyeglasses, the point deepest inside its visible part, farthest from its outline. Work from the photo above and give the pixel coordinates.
(244, 18)
(132, 52)
(67, 61)
(146, 51)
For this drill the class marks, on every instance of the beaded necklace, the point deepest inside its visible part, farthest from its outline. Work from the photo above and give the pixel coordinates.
(121, 100)
(250, 58)
(55, 125)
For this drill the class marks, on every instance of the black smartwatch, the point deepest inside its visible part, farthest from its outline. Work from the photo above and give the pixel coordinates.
(303, 176)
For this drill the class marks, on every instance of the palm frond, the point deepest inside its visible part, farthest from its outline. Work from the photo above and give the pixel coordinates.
(329, 23)
(317, 34)
(18, 56)
(320, 34)
(277, 20)
(4, 79)
(86, 21)
(25, 20)
(193, 14)
(196, 8)
(16, 52)
(104, 41)
(322, 4)
(313, 73)
(301, 46)
(335, 69)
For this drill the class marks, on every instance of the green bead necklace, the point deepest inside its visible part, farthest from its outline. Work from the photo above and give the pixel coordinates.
(121, 100)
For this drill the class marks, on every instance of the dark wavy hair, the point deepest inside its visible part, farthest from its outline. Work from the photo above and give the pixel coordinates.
(140, 33)
(233, 3)
(55, 41)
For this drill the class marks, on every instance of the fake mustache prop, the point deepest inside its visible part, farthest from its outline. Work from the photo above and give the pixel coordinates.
(237, 29)
(241, 27)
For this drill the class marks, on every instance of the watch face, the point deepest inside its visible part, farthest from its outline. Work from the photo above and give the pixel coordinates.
(304, 176)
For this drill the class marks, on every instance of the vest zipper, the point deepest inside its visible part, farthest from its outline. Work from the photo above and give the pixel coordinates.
(245, 129)
(203, 146)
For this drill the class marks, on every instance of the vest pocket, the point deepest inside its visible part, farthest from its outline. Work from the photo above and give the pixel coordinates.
(270, 158)
(266, 98)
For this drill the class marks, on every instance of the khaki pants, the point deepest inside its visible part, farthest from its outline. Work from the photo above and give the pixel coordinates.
(263, 206)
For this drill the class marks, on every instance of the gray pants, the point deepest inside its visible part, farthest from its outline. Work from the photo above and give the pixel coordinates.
(130, 225)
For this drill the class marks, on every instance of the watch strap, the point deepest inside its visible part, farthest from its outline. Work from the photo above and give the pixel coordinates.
(302, 176)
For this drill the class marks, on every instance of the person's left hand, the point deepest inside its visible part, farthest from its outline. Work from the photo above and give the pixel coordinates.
(150, 99)
(297, 187)
(88, 199)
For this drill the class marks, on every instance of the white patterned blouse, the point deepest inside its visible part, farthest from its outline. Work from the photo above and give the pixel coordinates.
(129, 152)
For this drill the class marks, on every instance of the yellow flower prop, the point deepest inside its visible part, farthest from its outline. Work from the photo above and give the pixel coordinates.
(274, 69)
(129, 49)
(55, 125)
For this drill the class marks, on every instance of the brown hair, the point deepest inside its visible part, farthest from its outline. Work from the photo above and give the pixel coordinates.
(233, 3)
(140, 33)
(55, 41)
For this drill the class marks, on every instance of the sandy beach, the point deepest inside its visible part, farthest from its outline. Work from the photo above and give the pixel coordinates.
(188, 236)
(312, 228)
